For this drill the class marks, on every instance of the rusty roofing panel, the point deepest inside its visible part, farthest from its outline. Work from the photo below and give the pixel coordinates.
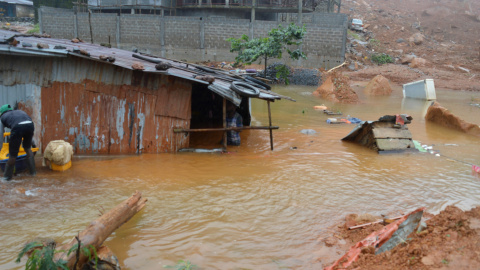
(123, 58)
(171, 93)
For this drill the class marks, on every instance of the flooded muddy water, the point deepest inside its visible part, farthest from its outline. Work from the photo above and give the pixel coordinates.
(251, 208)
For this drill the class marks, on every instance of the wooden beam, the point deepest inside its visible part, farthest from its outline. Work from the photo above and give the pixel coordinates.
(178, 130)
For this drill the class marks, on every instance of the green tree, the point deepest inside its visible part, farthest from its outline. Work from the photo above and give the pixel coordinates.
(279, 40)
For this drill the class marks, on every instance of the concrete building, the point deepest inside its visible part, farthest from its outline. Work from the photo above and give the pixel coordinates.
(267, 10)
(196, 39)
(16, 8)
(113, 107)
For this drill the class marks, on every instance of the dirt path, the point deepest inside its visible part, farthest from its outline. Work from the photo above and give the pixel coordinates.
(401, 74)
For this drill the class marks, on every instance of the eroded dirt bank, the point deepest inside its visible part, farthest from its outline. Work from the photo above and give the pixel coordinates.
(450, 241)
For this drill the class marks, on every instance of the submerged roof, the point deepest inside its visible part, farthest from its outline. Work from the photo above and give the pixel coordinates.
(125, 59)
(382, 136)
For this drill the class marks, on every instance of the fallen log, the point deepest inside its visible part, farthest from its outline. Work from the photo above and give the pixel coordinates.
(100, 229)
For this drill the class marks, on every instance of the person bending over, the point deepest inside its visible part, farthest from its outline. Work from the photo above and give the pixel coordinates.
(21, 126)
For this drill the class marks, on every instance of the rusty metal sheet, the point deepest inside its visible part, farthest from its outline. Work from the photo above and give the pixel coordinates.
(174, 98)
(95, 122)
(167, 140)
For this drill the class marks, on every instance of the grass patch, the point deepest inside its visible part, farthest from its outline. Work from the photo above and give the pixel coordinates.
(182, 265)
(382, 58)
(34, 30)
(354, 35)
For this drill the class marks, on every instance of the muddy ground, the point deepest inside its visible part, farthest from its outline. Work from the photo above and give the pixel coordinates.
(450, 241)
(450, 41)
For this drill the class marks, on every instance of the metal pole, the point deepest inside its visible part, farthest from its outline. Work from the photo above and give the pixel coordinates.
(270, 124)
(225, 123)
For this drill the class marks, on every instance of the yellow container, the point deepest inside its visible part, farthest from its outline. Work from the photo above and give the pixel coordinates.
(4, 154)
(60, 168)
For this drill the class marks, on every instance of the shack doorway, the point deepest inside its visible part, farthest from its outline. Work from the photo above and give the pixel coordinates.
(207, 112)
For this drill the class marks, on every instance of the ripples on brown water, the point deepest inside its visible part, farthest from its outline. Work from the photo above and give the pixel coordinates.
(251, 208)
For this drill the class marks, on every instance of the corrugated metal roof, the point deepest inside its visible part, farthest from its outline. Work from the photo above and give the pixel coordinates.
(123, 58)
(18, 2)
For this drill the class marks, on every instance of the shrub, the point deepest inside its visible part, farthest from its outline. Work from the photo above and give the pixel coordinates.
(382, 58)
(34, 30)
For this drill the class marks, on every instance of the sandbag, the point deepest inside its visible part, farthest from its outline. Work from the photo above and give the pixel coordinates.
(59, 152)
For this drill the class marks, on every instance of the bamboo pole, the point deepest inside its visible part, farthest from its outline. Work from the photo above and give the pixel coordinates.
(270, 124)
(339, 66)
(178, 130)
(371, 223)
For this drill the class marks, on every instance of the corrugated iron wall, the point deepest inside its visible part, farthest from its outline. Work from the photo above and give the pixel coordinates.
(100, 108)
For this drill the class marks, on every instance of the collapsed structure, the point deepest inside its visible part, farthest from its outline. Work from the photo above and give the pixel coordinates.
(389, 133)
(121, 104)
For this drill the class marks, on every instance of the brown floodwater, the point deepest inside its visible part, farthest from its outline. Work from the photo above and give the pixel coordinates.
(251, 208)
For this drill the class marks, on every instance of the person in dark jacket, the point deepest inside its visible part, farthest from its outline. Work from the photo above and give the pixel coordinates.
(21, 126)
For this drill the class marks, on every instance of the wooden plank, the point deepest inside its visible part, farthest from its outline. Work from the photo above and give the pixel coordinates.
(394, 144)
(178, 130)
(385, 133)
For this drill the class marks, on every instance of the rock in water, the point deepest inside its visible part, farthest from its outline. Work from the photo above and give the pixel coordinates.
(308, 131)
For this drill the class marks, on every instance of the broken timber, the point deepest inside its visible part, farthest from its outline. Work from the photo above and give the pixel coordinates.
(381, 136)
(100, 229)
(179, 130)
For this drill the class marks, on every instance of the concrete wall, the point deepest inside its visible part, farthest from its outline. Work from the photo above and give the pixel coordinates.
(196, 38)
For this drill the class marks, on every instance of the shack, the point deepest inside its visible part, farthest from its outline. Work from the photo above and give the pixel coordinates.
(16, 8)
(121, 104)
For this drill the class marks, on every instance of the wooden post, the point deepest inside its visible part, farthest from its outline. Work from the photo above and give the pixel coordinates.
(270, 124)
(252, 16)
(300, 13)
(225, 123)
(90, 24)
